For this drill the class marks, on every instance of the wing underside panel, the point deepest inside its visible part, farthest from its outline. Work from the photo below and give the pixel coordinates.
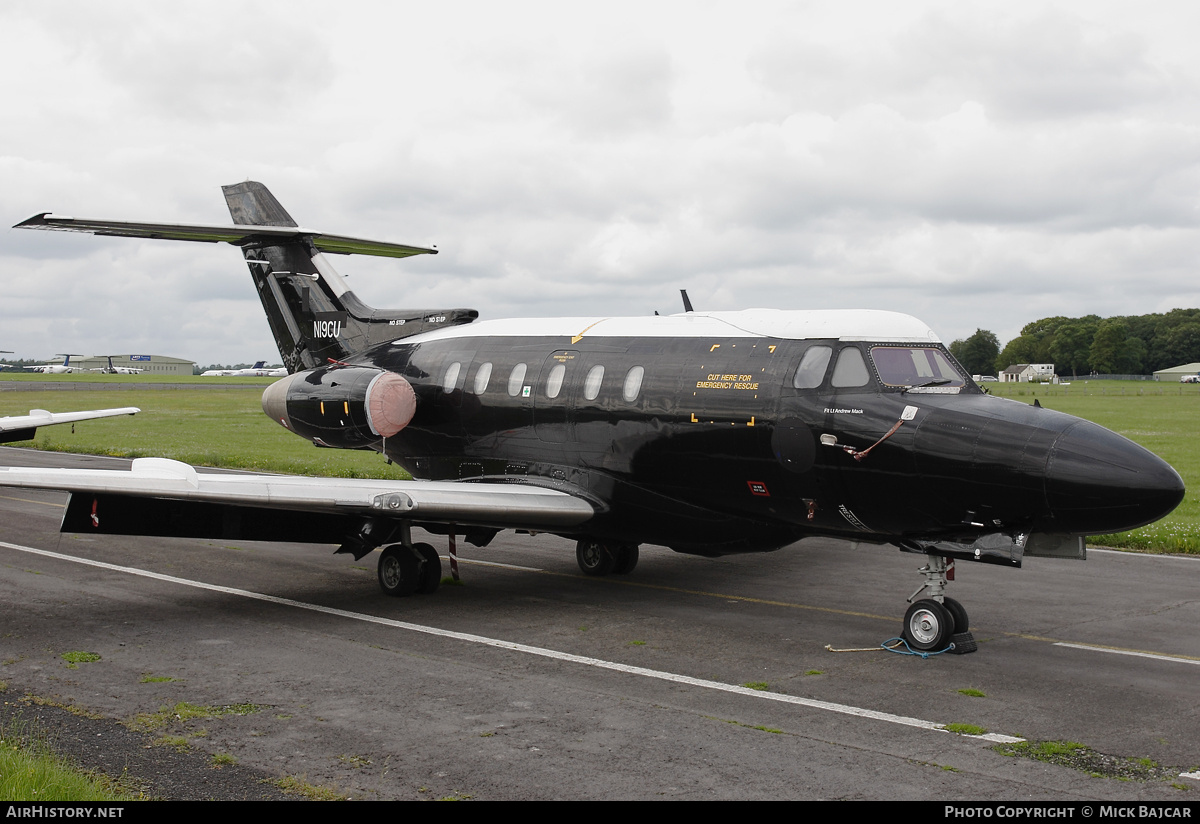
(168, 493)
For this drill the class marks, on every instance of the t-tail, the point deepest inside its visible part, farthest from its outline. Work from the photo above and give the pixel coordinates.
(313, 314)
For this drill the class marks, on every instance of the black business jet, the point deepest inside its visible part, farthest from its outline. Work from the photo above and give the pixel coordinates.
(707, 432)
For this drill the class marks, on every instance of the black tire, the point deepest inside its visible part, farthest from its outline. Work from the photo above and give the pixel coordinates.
(431, 569)
(927, 626)
(627, 558)
(595, 557)
(958, 615)
(399, 571)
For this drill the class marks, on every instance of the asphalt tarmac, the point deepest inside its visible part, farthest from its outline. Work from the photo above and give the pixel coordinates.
(531, 680)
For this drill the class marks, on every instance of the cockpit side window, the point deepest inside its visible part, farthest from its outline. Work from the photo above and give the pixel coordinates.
(811, 371)
(914, 366)
(851, 369)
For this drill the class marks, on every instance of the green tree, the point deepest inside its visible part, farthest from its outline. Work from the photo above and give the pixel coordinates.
(1116, 351)
(977, 353)
(1023, 349)
(1181, 345)
(1073, 343)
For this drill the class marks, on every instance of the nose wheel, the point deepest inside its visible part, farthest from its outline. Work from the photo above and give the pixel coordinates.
(937, 623)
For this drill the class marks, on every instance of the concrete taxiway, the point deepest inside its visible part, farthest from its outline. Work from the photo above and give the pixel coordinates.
(533, 681)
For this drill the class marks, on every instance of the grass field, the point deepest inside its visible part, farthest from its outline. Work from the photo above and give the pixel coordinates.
(226, 428)
(124, 382)
(1163, 417)
(205, 427)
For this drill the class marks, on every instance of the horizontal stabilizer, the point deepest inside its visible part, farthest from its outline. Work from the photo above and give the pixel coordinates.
(244, 236)
(496, 505)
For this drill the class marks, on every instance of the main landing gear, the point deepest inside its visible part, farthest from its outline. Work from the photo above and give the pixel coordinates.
(602, 558)
(405, 569)
(937, 622)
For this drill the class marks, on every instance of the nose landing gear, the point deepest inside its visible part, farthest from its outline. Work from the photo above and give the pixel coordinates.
(937, 622)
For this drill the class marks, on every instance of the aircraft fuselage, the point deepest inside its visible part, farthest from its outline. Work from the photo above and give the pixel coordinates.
(712, 443)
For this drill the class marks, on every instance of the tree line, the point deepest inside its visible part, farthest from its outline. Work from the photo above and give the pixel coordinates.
(1128, 345)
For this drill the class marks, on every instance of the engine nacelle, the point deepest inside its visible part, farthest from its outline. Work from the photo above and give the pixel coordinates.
(348, 407)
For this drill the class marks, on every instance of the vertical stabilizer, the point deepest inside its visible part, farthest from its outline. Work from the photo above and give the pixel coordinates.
(313, 314)
(252, 204)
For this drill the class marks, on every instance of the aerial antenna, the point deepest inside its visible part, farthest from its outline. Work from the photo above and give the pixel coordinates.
(687, 303)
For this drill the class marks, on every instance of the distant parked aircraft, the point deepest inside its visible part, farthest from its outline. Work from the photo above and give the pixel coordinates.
(258, 370)
(117, 370)
(63, 368)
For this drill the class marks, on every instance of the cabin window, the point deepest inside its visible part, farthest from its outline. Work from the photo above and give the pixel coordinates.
(591, 384)
(482, 376)
(515, 379)
(851, 369)
(554, 380)
(914, 366)
(811, 371)
(451, 379)
(633, 383)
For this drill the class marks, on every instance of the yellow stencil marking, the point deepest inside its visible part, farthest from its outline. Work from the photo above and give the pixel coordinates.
(579, 337)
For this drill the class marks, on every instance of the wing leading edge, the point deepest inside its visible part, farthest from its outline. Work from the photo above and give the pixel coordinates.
(23, 427)
(484, 505)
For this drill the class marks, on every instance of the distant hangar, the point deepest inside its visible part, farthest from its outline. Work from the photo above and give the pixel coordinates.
(149, 364)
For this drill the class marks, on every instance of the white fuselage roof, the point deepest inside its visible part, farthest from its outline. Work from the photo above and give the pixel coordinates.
(839, 324)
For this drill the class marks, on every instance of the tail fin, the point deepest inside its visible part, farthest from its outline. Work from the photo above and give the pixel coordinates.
(313, 314)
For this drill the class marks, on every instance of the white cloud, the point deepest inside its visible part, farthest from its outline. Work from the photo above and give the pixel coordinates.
(979, 165)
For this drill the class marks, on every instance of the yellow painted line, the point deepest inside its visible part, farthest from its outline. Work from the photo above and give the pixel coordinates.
(31, 501)
(682, 591)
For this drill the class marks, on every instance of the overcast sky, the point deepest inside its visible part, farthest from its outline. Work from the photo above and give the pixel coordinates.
(973, 164)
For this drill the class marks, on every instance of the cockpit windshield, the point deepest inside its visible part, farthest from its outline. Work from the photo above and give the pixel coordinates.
(914, 366)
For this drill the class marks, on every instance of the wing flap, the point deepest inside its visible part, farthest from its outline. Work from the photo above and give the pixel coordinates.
(236, 235)
(498, 505)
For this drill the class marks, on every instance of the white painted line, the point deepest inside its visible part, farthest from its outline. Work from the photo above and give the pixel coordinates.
(1193, 775)
(843, 709)
(1173, 659)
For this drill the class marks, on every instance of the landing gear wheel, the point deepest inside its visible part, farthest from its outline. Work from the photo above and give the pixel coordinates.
(595, 558)
(927, 626)
(627, 558)
(431, 569)
(399, 571)
(958, 615)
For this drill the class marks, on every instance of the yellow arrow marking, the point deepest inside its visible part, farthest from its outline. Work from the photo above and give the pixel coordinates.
(579, 337)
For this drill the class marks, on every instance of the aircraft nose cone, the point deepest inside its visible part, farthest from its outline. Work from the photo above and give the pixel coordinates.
(1098, 481)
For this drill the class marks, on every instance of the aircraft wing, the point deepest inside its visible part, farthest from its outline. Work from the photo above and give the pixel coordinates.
(159, 479)
(237, 235)
(22, 427)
